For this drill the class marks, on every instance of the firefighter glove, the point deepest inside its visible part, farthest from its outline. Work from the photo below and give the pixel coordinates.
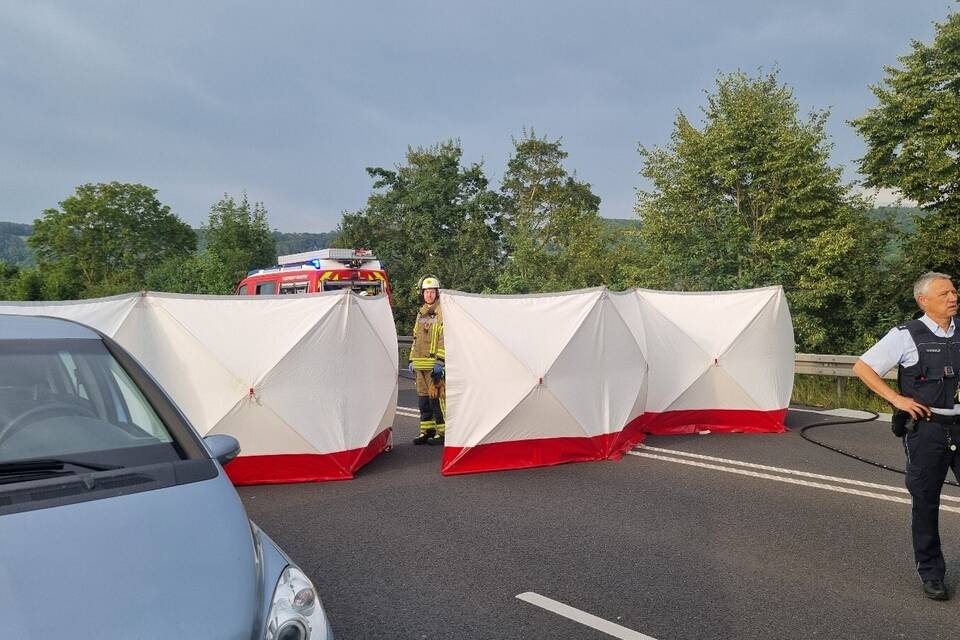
(410, 367)
(438, 372)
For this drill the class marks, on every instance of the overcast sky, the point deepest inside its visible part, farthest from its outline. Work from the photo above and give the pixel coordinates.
(292, 100)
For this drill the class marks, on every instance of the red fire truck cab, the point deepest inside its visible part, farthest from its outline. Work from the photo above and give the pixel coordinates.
(320, 270)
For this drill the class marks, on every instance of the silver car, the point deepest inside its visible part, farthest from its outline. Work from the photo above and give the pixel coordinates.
(116, 519)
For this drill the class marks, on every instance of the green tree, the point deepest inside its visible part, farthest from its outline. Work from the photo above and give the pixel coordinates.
(431, 215)
(913, 144)
(553, 232)
(239, 236)
(625, 254)
(202, 272)
(31, 283)
(107, 235)
(29, 286)
(750, 200)
(62, 284)
(9, 275)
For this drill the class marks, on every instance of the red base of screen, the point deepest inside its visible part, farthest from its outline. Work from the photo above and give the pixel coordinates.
(715, 420)
(305, 467)
(541, 452)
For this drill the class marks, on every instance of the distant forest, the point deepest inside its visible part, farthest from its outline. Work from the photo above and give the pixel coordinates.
(14, 250)
(13, 244)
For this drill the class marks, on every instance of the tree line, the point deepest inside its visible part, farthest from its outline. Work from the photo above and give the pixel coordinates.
(235, 238)
(111, 238)
(746, 197)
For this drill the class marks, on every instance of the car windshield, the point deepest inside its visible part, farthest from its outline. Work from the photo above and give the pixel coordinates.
(71, 400)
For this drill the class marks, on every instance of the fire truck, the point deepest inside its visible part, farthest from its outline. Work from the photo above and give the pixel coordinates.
(319, 270)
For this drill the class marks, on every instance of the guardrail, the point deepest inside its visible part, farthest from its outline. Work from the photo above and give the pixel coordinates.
(814, 364)
(826, 365)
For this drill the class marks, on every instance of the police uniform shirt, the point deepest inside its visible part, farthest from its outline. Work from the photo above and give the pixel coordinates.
(897, 348)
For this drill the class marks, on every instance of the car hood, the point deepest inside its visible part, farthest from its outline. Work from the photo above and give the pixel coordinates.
(177, 562)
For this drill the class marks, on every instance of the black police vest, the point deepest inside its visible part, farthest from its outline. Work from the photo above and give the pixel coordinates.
(933, 379)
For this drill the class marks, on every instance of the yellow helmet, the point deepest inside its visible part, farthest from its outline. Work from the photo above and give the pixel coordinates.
(429, 282)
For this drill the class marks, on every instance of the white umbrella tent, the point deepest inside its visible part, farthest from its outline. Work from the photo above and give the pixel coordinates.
(307, 384)
(544, 379)
(538, 380)
(723, 361)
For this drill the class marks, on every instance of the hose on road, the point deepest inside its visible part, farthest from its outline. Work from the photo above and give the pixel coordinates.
(873, 416)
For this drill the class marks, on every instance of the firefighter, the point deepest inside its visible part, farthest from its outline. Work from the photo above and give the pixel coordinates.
(427, 363)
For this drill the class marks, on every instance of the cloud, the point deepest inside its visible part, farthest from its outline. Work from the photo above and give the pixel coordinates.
(61, 33)
(293, 101)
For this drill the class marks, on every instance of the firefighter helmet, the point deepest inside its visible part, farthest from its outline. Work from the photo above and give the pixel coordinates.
(429, 282)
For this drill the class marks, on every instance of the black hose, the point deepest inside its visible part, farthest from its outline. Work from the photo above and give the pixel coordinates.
(873, 417)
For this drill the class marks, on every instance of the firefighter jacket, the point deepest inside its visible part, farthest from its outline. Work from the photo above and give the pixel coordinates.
(427, 347)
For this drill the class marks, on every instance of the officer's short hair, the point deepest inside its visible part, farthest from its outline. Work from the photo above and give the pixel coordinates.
(920, 286)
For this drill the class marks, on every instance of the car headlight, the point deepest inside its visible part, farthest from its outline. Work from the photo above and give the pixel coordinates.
(296, 612)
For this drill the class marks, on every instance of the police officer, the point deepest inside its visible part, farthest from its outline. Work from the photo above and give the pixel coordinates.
(927, 354)
(427, 357)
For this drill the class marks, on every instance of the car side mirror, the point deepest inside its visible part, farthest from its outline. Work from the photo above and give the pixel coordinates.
(222, 447)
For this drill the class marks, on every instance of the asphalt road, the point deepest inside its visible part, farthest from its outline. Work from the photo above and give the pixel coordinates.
(662, 547)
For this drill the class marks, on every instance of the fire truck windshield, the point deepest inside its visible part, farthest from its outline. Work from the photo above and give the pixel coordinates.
(363, 287)
(294, 287)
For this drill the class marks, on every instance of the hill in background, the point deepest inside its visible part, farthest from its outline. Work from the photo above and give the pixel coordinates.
(618, 224)
(901, 217)
(288, 243)
(13, 244)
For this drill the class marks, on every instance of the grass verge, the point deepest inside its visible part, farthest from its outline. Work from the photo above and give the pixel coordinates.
(836, 391)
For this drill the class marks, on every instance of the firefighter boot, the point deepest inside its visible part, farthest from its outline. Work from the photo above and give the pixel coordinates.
(426, 435)
(437, 438)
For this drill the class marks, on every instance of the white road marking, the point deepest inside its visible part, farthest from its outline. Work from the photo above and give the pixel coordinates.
(805, 474)
(584, 618)
(788, 480)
